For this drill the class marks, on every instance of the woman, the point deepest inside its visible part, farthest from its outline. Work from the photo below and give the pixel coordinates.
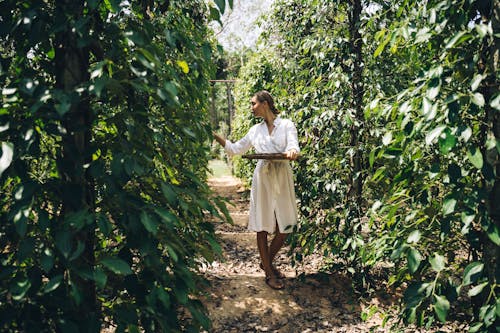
(273, 208)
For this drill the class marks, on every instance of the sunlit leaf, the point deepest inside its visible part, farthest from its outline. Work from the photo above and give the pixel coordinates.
(387, 138)
(477, 289)
(437, 262)
(6, 158)
(414, 237)
(475, 157)
(449, 205)
(472, 272)
(53, 284)
(434, 134)
(478, 99)
(493, 233)
(476, 81)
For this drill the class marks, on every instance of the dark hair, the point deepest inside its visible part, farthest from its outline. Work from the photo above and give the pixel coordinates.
(265, 96)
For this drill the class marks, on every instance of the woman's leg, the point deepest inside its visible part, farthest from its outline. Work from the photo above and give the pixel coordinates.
(264, 251)
(271, 279)
(276, 245)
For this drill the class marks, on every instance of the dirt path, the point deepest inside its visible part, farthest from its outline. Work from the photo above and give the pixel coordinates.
(240, 301)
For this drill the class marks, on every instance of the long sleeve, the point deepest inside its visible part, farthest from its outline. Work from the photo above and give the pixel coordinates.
(292, 137)
(241, 146)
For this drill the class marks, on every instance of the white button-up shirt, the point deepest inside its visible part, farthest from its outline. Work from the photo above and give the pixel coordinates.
(272, 197)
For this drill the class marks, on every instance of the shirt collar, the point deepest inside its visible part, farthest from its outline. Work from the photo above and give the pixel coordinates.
(276, 122)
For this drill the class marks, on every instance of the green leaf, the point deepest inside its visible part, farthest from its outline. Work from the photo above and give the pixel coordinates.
(414, 258)
(215, 15)
(435, 133)
(475, 327)
(79, 250)
(136, 37)
(477, 289)
(458, 39)
(379, 173)
(441, 307)
(6, 158)
(449, 205)
(63, 243)
(171, 89)
(19, 288)
(149, 222)
(414, 237)
(466, 220)
(47, 260)
(495, 102)
(478, 99)
(447, 143)
(476, 81)
(472, 272)
(382, 45)
(113, 5)
(172, 253)
(116, 265)
(493, 233)
(475, 157)
(76, 293)
(104, 225)
(437, 262)
(387, 138)
(169, 193)
(100, 278)
(166, 215)
(53, 284)
(221, 4)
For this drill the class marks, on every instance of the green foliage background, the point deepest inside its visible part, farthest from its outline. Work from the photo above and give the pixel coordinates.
(103, 130)
(429, 140)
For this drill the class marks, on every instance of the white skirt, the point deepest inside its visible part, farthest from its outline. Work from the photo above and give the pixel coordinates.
(272, 197)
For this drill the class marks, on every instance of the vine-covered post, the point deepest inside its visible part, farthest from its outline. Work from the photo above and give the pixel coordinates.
(72, 70)
(489, 65)
(356, 106)
(213, 108)
(230, 108)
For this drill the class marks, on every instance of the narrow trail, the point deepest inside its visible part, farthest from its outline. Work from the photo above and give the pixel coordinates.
(238, 300)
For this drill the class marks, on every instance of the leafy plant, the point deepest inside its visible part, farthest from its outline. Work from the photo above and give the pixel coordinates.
(102, 166)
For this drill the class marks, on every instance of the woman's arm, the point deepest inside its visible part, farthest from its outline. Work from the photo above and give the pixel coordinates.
(236, 148)
(292, 149)
(219, 139)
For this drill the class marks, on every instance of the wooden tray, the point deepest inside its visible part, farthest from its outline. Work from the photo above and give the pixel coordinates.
(269, 156)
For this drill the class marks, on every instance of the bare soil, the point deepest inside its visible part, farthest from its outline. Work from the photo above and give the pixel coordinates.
(238, 299)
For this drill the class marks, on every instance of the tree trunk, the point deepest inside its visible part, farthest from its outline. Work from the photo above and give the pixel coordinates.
(357, 90)
(491, 251)
(230, 111)
(77, 189)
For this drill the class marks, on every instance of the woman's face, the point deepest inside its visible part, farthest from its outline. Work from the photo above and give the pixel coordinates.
(258, 108)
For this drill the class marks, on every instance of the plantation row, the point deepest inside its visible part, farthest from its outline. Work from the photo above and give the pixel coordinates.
(398, 111)
(103, 130)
